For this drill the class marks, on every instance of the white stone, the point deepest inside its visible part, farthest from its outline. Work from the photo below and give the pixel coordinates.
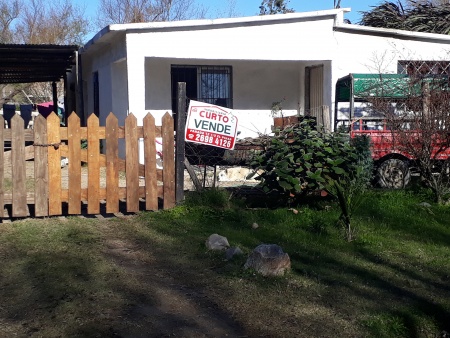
(268, 260)
(217, 242)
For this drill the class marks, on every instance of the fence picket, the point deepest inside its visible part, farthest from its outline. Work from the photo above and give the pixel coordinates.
(112, 170)
(168, 161)
(18, 168)
(151, 180)
(54, 165)
(93, 165)
(132, 163)
(40, 167)
(74, 155)
(2, 167)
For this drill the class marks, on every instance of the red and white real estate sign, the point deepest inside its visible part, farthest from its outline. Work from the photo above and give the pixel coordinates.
(211, 125)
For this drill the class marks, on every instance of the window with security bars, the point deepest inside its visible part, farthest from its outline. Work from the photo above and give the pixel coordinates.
(211, 84)
(423, 67)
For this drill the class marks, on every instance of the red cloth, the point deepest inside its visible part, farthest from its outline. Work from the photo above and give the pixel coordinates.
(45, 109)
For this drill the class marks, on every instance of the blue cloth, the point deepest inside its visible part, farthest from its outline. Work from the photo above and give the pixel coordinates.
(9, 110)
(25, 112)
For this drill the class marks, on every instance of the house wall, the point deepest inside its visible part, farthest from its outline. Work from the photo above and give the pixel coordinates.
(268, 59)
(109, 61)
(256, 85)
(264, 56)
(119, 90)
(263, 40)
(363, 53)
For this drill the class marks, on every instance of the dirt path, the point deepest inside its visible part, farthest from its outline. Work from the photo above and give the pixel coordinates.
(169, 305)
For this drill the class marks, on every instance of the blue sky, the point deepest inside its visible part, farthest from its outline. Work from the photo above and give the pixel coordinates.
(251, 7)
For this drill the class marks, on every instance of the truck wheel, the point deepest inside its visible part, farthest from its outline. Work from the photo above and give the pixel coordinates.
(393, 174)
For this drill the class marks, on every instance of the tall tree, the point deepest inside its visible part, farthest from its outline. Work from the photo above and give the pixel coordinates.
(51, 21)
(130, 11)
(420, 16)
(274, 7)
(9, 11)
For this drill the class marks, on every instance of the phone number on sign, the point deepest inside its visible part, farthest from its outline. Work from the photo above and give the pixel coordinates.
(211, 139)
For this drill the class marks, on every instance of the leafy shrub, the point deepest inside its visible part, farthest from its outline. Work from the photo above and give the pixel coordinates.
(301, 159)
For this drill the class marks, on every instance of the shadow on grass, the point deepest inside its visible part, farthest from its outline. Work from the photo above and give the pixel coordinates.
(96, 283)
(362, 288)
(356, 282)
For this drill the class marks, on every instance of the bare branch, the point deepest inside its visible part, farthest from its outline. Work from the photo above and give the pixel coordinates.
(131, 11)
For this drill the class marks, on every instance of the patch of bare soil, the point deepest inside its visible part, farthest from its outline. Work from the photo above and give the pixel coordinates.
(168, 305)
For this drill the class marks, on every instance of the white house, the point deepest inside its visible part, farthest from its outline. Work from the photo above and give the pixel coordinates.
(242, 63)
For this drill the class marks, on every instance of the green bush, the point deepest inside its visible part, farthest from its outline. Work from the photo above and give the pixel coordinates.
(301, 159)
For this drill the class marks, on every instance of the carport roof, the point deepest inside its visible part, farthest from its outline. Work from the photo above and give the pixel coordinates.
(35, 63)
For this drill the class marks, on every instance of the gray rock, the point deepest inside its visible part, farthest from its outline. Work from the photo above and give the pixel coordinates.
(425, 205)
(268, 260)
(217, 242)
(231, 252)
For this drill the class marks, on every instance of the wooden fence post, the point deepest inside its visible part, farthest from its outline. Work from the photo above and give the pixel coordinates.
(54, 164)
(18, 168)
(180, 144)
(40, 167)
(132, 163)
(74, 155)
(168, 161)
(151, 180)
(112, 170)
(93, 161)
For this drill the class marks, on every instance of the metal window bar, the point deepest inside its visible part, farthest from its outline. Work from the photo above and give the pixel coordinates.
(215, 85)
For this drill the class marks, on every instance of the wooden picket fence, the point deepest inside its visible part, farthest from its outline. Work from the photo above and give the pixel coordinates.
(47, 142)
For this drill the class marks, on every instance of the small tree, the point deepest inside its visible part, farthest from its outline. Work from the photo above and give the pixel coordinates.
(274, 7)
(419, 126)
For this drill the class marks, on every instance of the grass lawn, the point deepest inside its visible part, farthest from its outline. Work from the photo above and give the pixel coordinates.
(150, 275)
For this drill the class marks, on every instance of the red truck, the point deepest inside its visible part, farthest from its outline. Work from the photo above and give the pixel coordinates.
(354, 111)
